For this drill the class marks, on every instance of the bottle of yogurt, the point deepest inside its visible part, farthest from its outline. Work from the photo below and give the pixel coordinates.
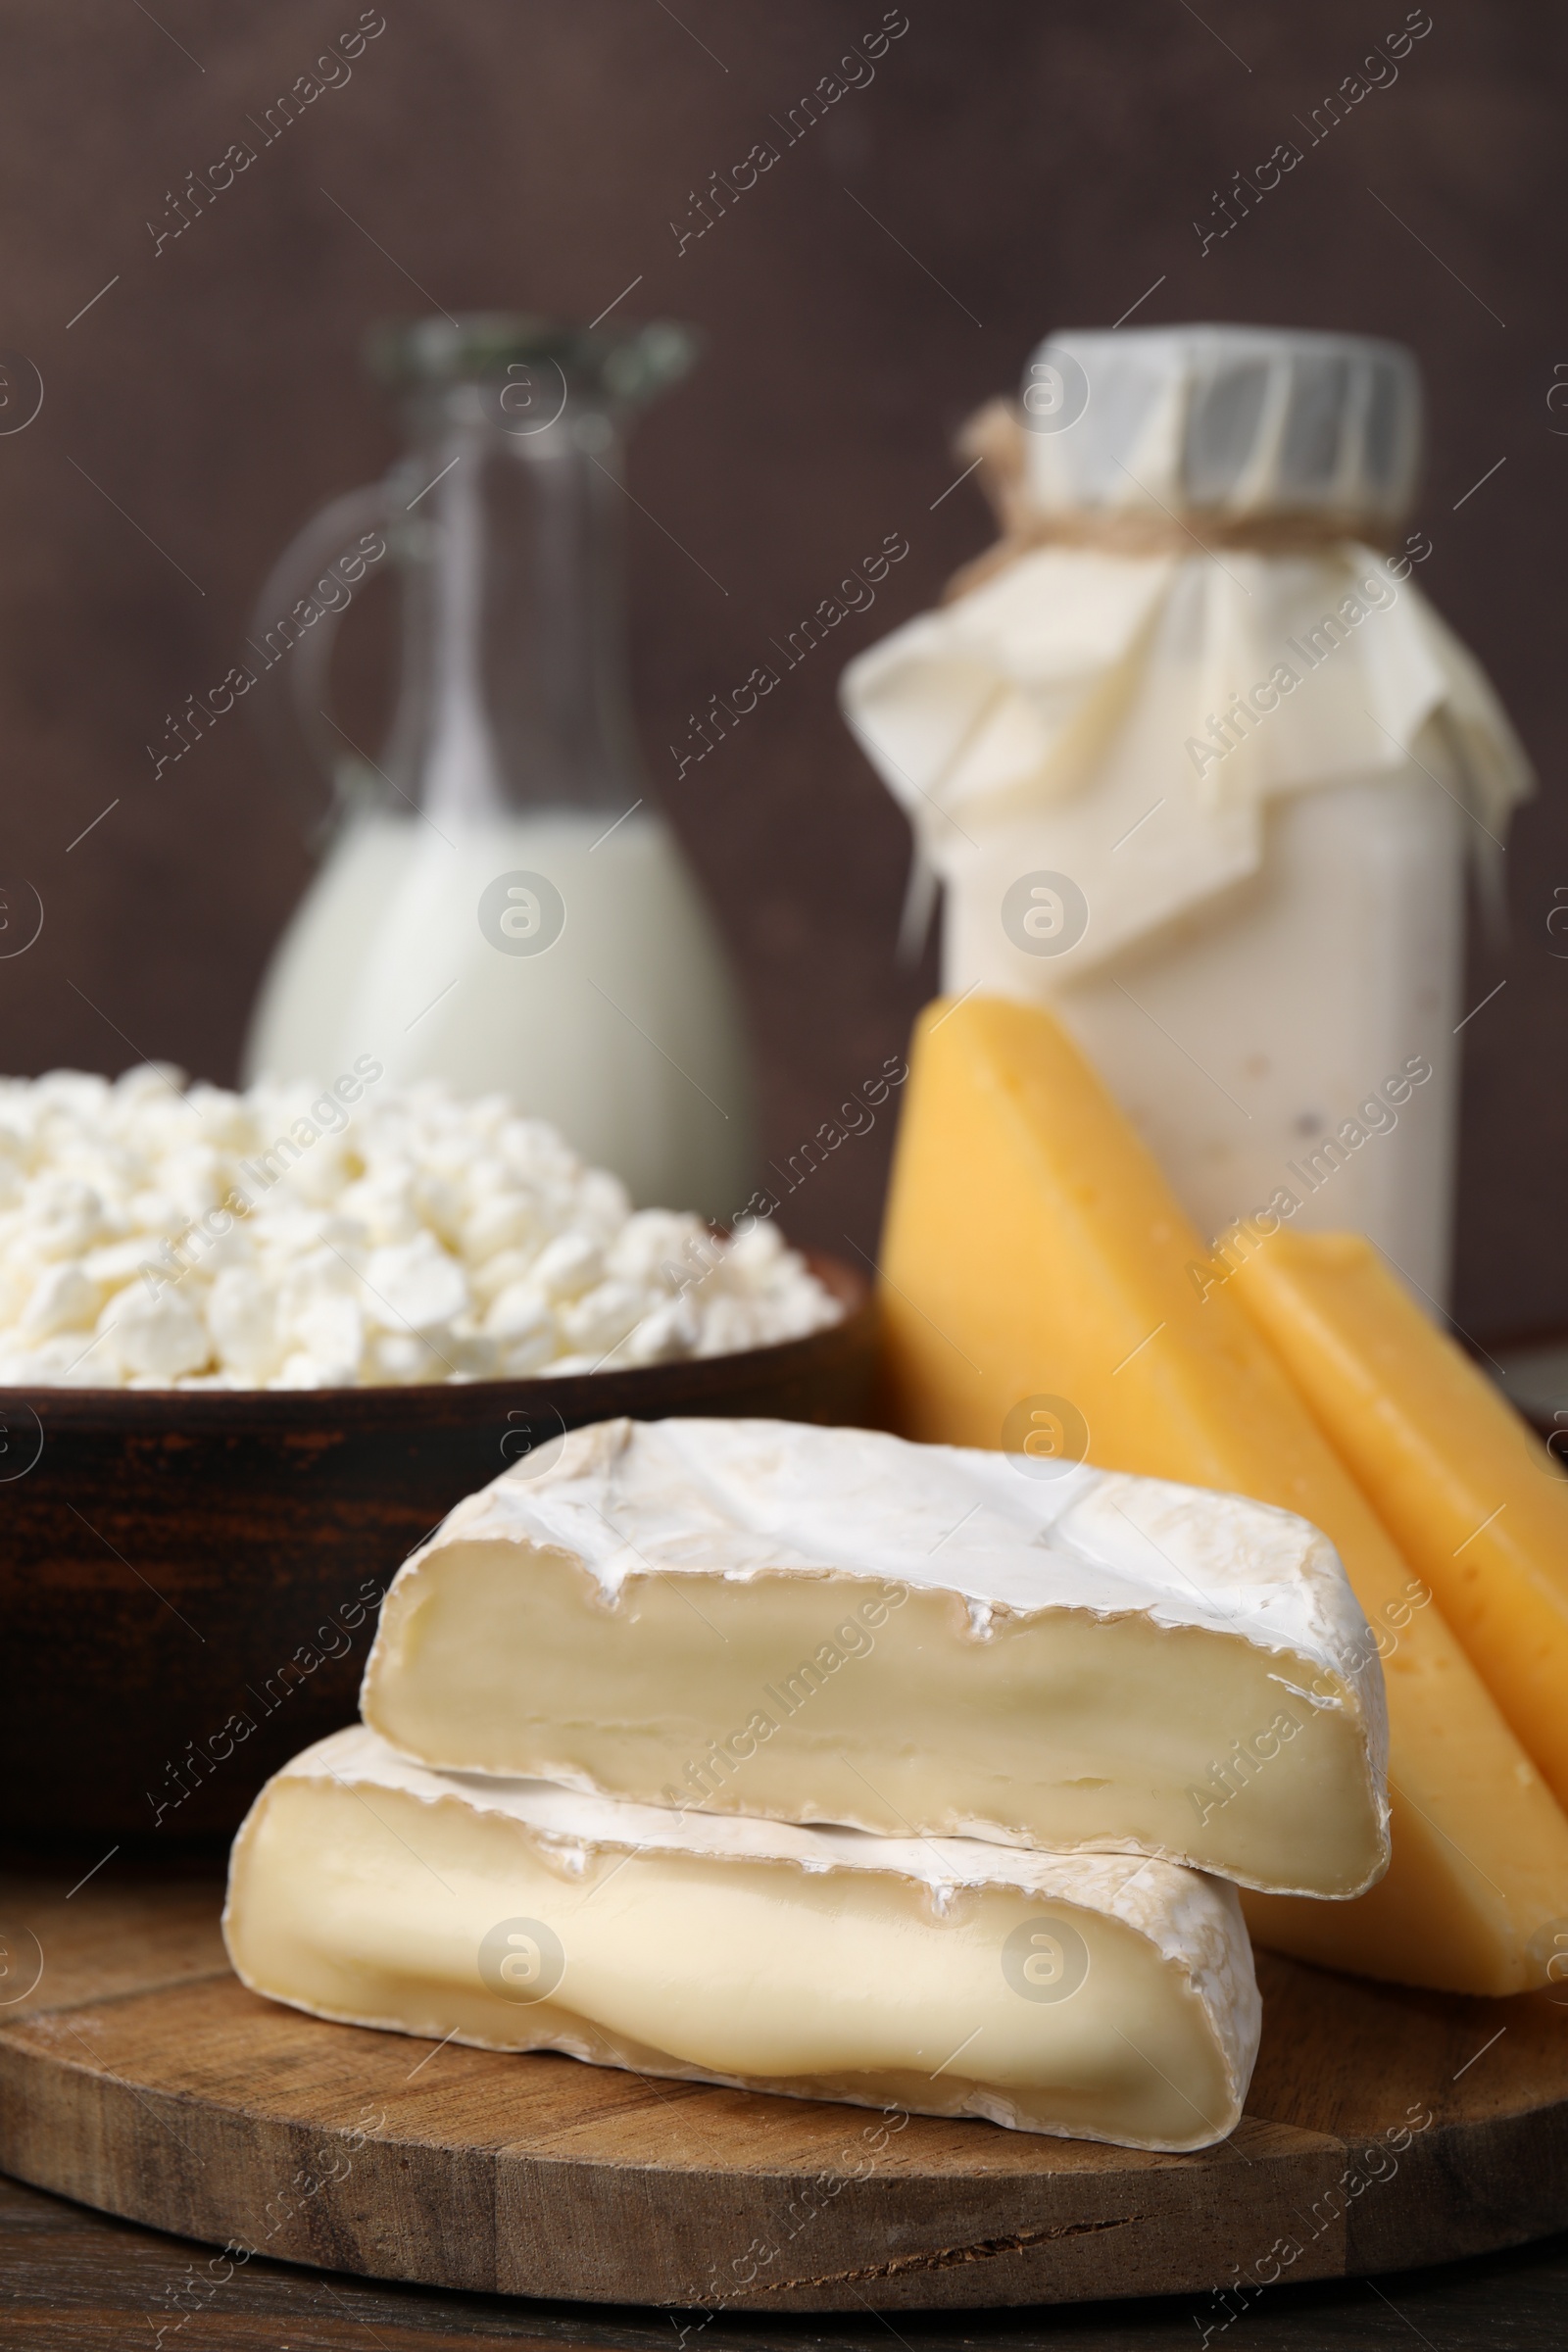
(1201, 769)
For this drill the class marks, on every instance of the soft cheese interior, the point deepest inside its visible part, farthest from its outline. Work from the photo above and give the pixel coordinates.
(1093, 1996)
(827, 1625)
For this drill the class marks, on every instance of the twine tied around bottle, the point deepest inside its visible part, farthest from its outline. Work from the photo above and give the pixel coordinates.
(994, 440)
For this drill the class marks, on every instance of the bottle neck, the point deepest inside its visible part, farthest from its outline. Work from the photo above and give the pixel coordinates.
(512, 694)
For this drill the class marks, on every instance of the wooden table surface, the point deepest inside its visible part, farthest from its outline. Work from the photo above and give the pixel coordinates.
(72, 2280)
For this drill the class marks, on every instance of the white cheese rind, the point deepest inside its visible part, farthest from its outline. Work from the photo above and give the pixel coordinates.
(815, 1963)
(834, 1625)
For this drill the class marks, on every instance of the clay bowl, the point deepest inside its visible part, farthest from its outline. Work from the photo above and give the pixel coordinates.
(188, 1582)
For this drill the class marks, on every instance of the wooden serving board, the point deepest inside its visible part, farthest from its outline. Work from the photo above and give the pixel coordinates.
(1385, 2129)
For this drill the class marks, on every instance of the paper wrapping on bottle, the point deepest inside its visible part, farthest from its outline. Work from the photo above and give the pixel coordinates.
(1070, 716)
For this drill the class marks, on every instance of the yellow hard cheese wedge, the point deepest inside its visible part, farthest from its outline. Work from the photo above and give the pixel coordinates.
(1468, 1493)
(1041, 1291)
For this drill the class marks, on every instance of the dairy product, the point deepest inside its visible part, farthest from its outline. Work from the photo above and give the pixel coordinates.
(1097, 1998)
(1034, 1257)
(831, 1625)
(1252, 1046)
(501, 906)
(619, 1029)
(155, 1235)
(1200, 766)
(1468, 1493)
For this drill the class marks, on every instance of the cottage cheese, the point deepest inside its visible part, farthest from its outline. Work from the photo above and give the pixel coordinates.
(156, 1234)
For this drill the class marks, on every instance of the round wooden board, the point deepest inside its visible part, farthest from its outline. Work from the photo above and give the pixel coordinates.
(1385, 2129)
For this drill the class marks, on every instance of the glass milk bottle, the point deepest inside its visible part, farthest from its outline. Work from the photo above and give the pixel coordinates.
(501, 905)
(1201, 769)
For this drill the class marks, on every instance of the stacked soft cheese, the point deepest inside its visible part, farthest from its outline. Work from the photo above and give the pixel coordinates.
(160, 1234)
(818, 1762)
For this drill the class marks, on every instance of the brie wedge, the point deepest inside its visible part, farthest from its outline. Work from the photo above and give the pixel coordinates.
(831, 1625)
(1093, 1996)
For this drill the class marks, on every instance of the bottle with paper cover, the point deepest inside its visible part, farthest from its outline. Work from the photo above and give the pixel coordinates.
(1200, 766)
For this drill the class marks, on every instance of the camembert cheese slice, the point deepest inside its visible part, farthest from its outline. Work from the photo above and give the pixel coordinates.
(829, 1625)
(1096, 1997)
(1035, 1262)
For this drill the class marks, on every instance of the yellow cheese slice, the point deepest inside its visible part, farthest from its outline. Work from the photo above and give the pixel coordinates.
(1466, 1490)
(1042, 1292)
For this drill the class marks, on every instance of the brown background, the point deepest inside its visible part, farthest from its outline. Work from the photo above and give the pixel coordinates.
(1030, 166)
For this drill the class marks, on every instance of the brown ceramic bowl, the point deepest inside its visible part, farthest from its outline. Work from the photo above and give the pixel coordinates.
(188, 1582)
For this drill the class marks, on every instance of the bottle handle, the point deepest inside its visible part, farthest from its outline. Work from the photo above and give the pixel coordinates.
(293, 627)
